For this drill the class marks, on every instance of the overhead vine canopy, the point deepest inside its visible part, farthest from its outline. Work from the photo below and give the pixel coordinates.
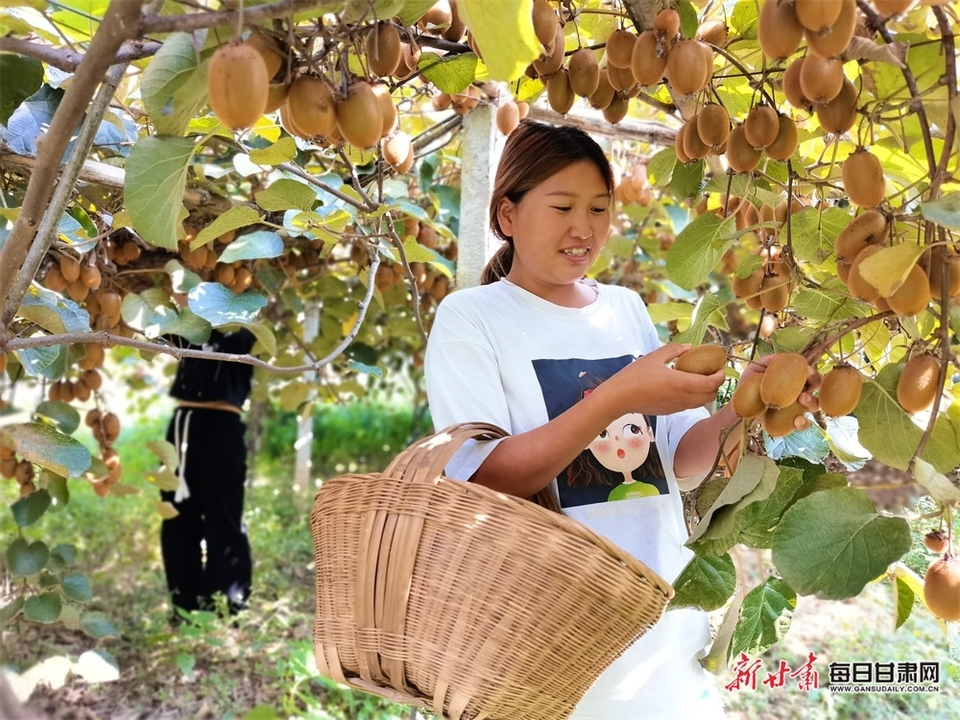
(787, 181)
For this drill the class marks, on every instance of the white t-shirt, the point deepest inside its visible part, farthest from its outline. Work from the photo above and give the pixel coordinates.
(502, 355)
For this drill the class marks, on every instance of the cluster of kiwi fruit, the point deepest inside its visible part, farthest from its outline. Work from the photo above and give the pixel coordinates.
(772, 397)
(19, 469)
(633, 186)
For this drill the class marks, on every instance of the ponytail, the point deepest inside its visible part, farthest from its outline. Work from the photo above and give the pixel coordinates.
(499, 265)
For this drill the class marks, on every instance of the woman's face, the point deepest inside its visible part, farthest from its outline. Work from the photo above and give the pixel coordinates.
(624, 445)
(558, 228)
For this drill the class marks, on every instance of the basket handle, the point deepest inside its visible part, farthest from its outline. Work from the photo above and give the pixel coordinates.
(427, 458)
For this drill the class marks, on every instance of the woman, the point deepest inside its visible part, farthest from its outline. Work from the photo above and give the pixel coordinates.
(514, 352)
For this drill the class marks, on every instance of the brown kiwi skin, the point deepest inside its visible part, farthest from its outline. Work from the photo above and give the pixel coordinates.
(746, 400)
(839, 115)
(917, 387)
(865, 229)
(702, 360)
(779, 29)
(784, 379)
(779, 422)
(840, 391)
(913, 295)
(941, 588)
(863, 178)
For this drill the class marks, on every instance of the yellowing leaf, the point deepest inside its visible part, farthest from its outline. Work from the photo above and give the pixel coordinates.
(887, 269)
(166, 510)
(504, 33)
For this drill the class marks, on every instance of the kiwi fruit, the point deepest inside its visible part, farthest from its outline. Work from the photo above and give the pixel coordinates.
(359, 117)
(508, 117)
(276, 96)
(237, 85)
(552, 61)
(397, 148)
(941, 588)
(913, 295)
(791, 85)
(90, 276)
(311, 107)
(616, 109)
(936, 541)
(761, 126)
(693, 145)
(942, 260)
(437, 14)
(713, 31)
(687, 68)
(667, 23)
(859, 287)
(647, 63)
(744, 287)
(817, 15)
(780, 422)
(382, 46)
(775, 292)
(821, 79)
(387, 109)
(863, 178)
(778, 28)
(620, 48)
(713, 125)
(918, 387)
(839, 115)
(834, 39)
(584, 72)
(865, 229)
(783, 379)
(840, 391)
(545, 22)
(702, 360)
(678, 143)
(465, 100)
(559, 93)
(741, 155)
(785, 144)
(603, 95)
(746, 400)
(54, 279)
(69, 268)
(269, 49)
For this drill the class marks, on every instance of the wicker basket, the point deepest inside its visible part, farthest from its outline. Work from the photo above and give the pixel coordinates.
(448, 595)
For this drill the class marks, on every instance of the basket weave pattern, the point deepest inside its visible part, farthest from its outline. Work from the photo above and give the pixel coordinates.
(444, 594)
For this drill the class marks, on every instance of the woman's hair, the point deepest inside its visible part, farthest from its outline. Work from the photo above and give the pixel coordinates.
(535, 152)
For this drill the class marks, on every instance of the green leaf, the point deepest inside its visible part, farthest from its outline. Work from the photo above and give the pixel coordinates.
(887, 269)
(706, 583)
(673, 310)
(765, 617)
(755, 479)
(66, 552)
(704, 315)
(938, 485)
(687, 179)
(166, 452)
(219, 306)
(412, 11)
(30, 508)
(235, 218)
(833, 542)
(503, 30)
(285, 194)
(904, 599)
(688, 19)
(188, 325)
(63, 414)
(25, 559)
(744, 19)
(761, 517)
(360, 367)
(810, 444)
(814, 233)
(22, 77)
(265, 338)
(698, 248)
(293, 395)
(944, 211)
(98, 625)
(44, 608)
(9, 611)
(153, 191)
(59, 492)
(283, 150)
(183, 280)
(163, 479)
(165, 509)
(52, 312)
(889, 433)
(253, 246)
(147, 313)
(825, 304)
(174, 85)
(450, 75)
(660, 168)
(76, 587)
(44, 446)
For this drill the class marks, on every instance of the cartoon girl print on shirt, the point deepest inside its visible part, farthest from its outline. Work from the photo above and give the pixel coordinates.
(622, 461)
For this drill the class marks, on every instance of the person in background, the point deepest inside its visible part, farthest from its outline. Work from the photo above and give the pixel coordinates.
(518, 352)
(205, 547)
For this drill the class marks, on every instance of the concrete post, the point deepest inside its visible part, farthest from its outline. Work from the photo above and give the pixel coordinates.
(304, 443)
(480, 151)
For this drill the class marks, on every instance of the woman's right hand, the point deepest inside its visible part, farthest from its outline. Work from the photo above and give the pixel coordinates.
(649, 386)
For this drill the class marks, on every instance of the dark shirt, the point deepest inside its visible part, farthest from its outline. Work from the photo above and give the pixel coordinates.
(201, 380)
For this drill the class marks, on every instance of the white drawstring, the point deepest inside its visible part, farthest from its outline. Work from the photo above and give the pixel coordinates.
(183, 492)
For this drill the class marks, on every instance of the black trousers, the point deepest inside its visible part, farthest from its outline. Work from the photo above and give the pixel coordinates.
(213, 458)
